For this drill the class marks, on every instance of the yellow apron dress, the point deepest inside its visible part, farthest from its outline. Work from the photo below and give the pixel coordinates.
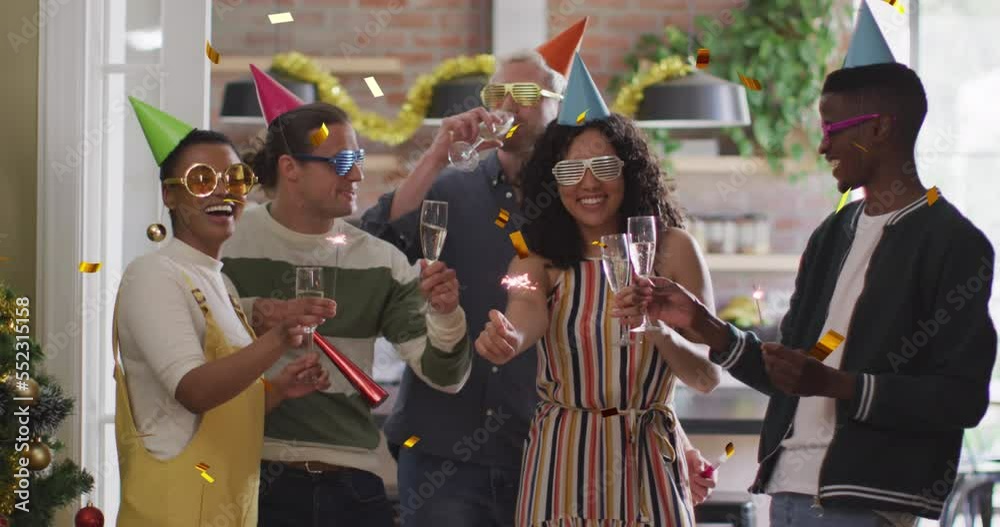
(173, 493)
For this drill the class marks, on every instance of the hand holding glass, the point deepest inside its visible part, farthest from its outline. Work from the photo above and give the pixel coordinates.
(617, 269)
(642, 250)
(433, 229)
(464, 156)
(309, 284)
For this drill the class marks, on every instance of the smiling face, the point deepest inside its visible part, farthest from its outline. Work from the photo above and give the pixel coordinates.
(208, 221)
(593, 203)
(316, 185)
(532, 119)
(845, 150)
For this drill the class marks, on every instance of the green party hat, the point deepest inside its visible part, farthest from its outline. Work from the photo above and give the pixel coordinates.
(163, 131)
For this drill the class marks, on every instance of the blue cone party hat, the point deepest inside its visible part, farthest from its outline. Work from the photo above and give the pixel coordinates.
(868, 46)
(582, 103)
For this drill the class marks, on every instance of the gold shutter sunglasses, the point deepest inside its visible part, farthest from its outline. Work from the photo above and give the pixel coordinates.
(524, 93)
(201, 180)
(570, 171)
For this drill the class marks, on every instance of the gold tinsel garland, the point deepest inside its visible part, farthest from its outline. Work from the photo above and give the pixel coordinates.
(371, 124)
(630, 95)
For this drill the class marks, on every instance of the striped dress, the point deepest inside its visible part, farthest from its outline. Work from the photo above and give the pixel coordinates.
(601, 447)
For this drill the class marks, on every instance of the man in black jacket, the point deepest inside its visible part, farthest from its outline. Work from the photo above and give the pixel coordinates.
(869, 430)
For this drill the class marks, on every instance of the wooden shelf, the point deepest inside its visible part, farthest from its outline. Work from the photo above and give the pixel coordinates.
(335, 65)
(769, 263)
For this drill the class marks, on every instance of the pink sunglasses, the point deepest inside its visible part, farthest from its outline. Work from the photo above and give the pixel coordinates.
(846, 123)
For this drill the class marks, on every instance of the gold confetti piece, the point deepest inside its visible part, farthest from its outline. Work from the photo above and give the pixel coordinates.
(502, 218)
(600, 244)
(826, 345)
(233, 200)
(702, 58)
(897, 4)
(211, 53)
(511, 131)
(518, 282)
(281, 18)
(582, 116)
(730, 449)
(411, 441)
(518, 240)
(751, 83)
(201, 466)
(320, 135)
(373, 86)
(863, 149)
(208, 478)
(843, 200)
(87, 267)
(932, 196)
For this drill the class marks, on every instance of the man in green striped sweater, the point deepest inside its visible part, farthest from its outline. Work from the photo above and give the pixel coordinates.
(319, 450)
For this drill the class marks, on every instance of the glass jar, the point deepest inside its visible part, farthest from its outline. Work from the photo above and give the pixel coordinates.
(730, 235)
(762, 233)
(715, 233)
(747, 233)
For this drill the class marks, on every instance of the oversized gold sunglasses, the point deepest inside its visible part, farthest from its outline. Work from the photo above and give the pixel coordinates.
(524, 93)
(201, 180)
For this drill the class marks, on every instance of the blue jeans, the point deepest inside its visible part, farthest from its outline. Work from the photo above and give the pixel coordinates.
(436, 491)
(796, 510)
(295, 498)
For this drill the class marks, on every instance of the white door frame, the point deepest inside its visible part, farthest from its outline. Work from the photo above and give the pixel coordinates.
(79, 200)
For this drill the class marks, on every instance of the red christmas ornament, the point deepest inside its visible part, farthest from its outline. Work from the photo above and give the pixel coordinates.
(89, 516)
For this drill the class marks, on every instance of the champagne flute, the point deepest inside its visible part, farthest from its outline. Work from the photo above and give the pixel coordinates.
(617, 269)
(433, 230)
(309, 284)
(464, 156)
(642, 250)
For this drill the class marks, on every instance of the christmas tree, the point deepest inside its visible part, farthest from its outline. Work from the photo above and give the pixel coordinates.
(32, 406)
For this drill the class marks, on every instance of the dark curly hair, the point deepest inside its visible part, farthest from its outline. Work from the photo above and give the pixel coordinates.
(554, 233)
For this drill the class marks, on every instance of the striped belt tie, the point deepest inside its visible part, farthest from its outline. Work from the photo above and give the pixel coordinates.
(658, 419)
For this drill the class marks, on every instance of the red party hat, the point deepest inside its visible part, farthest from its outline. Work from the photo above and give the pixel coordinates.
(559, 51)
(274, 98)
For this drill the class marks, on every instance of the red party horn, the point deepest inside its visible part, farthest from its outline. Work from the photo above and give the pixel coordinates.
(373, 394)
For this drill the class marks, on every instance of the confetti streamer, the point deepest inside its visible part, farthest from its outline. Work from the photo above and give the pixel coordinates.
(582, 116)
(373, 86)
(843, 200)
(702, 58)
(411, 441)
(518, 240)
(751, 83)
(863, 149)
(88, 267)
(826, 345)
(320, 135)
(281, 18)
(511, 131)
(932, 196)
(211, 53)
(502, 218)
(518, 282)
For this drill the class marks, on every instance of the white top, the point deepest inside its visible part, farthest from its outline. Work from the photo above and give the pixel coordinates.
(797, 469)
(162, 336)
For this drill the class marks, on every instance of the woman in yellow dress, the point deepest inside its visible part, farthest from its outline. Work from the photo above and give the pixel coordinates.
(191, 398)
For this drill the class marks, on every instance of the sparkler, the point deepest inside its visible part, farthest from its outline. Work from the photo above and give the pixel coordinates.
(517, 282)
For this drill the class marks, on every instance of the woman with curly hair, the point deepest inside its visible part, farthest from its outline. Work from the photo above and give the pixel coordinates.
(604, 442)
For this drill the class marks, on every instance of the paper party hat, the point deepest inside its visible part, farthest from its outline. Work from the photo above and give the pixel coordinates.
(583, 102)
(558, 52)
(274, 98)
(868, 46)
(163, 131)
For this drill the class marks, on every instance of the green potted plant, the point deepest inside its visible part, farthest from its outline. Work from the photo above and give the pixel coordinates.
(785, 44)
